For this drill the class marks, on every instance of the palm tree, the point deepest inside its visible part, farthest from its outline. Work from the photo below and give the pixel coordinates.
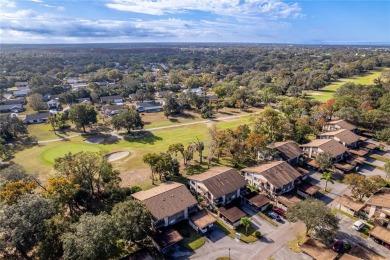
(328, 177)
(246, 222)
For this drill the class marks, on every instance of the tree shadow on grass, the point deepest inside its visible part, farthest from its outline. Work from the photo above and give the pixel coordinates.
(196, 169)
(144, 137)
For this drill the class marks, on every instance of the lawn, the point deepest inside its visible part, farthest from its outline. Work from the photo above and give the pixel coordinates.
(191, 239)
(327, 92)
(40, 158)
(250, 238)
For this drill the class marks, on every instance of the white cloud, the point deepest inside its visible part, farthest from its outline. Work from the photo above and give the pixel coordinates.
(7, 4)
(236, 8)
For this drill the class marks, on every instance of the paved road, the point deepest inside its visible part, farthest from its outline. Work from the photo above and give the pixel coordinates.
(269, 245)
(350, 235)
(155, 128)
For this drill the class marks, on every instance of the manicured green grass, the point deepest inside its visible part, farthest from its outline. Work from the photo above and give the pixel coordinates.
(378, 157)
(191, 239)
(39, 159)
(250, 238)
(59, 151)
(334, 211)
(327, 92)
(269, 220)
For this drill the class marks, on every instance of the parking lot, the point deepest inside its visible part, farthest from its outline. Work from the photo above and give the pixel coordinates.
(351, 236)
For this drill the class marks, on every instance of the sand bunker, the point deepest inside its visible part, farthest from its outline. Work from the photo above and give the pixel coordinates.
(117, 156)
(95, 140)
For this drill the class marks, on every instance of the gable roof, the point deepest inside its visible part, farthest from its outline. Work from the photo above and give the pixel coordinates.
(110, 98)
(9, 107)
(278, 173)
(342, 124)
(148, 104)
(344, 135)
(327, 145)
(13, 101)
(167, 199)
(287, 150)
(380, 198)
(381, 233)
(220, 180)
(318, 250)
(350, 203)
(37, 116)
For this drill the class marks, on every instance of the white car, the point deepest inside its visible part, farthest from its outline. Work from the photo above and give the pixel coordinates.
(358, 225)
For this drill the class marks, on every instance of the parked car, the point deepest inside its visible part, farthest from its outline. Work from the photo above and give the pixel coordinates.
(273, 215)
(338, 246)
(358, 225)
(376, 240)
(281, 212)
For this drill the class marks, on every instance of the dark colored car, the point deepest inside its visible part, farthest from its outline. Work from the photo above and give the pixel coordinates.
(281, 212)
(273, 215)
(387, 246)
(376, 240)
(338, 246)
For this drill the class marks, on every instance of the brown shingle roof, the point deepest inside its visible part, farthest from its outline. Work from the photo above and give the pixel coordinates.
(202, 219)
(166, 200)
(349, 257)
(380, 198)
(167, 237)
(278, 173)
(233, 214)
(318, 250)
(220, 180)
(381, 233)
(259, 200)
(287, 150)
(350, 203)
(308, 188)
(344, 135)
(342, 124)
(365, 253)
(327, 145)
(288, 200)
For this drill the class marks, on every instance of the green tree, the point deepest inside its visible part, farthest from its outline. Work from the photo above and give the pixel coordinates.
(324, 161)
(36, 102)
(361, 186)
(11, 127)
(132, 219)
(246, 222)
(171, 107)
(328, 177)
(13, 173)
(92, 237)
(50, 247)
(128, 119)
(63, 190)
(317, 217)
(89, 170)
(82, 115)
(23, 224)
(272, 124)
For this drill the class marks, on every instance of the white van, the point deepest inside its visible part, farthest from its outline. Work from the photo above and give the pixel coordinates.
(358, 225)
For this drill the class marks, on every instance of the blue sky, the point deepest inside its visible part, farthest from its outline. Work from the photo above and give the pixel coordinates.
(258, 21)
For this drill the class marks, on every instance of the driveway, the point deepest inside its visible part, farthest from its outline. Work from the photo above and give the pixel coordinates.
(264, 226)
(337, 189)
(350, 235)
(266, 247)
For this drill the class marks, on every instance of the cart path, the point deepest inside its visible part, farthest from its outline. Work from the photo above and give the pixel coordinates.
(155, 128)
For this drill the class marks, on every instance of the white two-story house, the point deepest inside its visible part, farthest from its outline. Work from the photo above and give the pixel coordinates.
(275, 177)
(339, 124)
(345, 137)
(218, 186)
(317, 146)
(288, 151)
(169, 203)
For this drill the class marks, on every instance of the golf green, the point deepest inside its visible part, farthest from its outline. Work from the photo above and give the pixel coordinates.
(58, 151)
